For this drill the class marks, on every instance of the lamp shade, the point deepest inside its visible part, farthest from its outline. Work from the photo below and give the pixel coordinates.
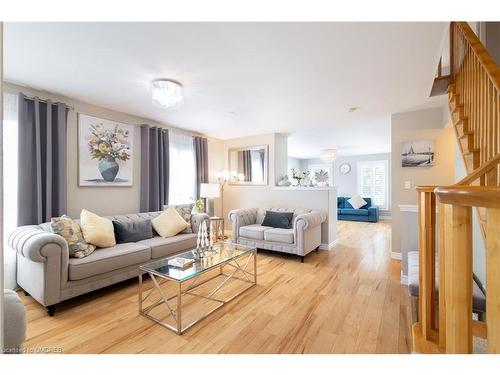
(209, 191)
(328, 155)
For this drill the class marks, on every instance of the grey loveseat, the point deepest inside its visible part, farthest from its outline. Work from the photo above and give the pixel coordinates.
(301, 239)
(49, 275)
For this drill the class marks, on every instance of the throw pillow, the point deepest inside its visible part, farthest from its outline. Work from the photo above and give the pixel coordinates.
(97, 230)
(357, 202)
(65, 227)
(186, 211)
(132, 231)
(169, 223)
(278, 219)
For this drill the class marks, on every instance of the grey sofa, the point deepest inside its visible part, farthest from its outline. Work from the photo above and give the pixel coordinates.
(49, 275)
(304, 237)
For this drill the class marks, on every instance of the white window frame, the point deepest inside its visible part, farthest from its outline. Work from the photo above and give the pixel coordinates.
(372, 163)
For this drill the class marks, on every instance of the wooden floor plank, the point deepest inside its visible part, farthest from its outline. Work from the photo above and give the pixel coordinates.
(347, 300)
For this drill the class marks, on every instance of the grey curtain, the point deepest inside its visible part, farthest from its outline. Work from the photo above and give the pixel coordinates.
(247, 165)
(42, 160)
(154, 168)
(201, 154)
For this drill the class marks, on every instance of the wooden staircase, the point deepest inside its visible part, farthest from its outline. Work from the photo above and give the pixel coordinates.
(474, 103)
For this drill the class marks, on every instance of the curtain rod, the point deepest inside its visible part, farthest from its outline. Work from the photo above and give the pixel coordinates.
(45, 101)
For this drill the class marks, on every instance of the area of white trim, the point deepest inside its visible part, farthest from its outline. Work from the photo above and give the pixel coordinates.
(404, 279)
(408, 207)
(385, 217)
(395, 255)
(328, 246)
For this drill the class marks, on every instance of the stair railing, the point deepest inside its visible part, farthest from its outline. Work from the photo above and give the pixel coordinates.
(475, 106)
(449, 327)
(475, 83)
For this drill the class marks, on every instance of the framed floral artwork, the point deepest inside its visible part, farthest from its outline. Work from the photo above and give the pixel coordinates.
(105, 152)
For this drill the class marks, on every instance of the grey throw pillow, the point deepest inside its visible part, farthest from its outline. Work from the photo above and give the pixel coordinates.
(278, 219)
(132, 231)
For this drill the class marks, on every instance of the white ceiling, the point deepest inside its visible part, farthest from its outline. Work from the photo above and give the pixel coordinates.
(241, 78)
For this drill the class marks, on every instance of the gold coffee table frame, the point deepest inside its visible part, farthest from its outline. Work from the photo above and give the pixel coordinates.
(159, 279)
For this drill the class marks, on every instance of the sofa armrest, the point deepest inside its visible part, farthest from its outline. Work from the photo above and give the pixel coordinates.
(37, 245)
(197, 220)
(309, 220)
(240, 218)
(373, 213)
(307, 231)
(42, 263)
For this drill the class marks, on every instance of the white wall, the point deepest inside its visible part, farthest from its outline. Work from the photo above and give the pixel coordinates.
(423, 124)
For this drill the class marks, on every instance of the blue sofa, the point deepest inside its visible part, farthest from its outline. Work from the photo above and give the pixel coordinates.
(367, 213)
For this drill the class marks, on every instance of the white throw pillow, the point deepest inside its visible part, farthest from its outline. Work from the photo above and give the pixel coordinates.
(357, 202)
(97, 230)
(169, 223)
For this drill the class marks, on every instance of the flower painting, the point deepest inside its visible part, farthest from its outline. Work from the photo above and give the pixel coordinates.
(105, 152)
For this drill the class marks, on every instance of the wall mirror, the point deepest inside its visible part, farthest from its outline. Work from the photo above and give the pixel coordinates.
(250, 164)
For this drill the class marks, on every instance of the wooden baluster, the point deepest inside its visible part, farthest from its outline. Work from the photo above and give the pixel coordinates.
(442, 273)
(427, 262)
(493, 280)
(458, 279)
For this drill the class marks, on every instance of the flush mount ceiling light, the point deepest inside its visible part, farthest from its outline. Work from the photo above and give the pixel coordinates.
(328, 155)
(166, 93)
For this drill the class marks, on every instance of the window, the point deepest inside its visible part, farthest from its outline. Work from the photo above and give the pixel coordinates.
(182, 179)
(10, 130)
(373, 182)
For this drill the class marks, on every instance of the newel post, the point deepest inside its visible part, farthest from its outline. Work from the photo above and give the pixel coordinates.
(458, 279)
(493, 280)
(427, 259)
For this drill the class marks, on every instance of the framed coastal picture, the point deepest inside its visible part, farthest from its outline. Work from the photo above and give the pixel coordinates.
(105, 152)
(417, 153)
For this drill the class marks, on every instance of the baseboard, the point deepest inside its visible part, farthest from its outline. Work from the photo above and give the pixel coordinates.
(328, 246)
(404, 279)
(397, 256)
(385, 217)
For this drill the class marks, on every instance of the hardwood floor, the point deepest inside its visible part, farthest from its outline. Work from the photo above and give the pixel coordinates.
(348, 300)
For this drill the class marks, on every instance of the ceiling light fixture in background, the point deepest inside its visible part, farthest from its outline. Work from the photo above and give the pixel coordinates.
(166, 93)
(328, 155)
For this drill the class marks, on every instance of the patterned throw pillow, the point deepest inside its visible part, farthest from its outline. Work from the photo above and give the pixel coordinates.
(185, 211)
(72, 233)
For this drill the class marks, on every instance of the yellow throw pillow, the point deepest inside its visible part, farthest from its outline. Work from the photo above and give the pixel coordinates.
(169, 223)
(97, 230)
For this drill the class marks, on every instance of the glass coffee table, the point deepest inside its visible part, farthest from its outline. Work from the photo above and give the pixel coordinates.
(181, 297)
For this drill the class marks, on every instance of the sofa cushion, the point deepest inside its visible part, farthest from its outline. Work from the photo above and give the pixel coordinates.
(186, 211)
(340, 202)
(72, 233)
(97, 230)
(108, 259)
(278, 219)
(132, 231)
(169, 223)
(163, 247)
(279, 235)
(357, 202)
(351, 211)
(368, 203)
(253, 231)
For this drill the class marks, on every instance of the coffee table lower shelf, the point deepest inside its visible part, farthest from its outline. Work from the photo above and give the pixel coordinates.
(238, 272)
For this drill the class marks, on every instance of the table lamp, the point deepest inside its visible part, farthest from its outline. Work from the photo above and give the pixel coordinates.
(209, 191)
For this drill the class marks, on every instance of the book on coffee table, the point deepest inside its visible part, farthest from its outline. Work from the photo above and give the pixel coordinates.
(180, 262)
